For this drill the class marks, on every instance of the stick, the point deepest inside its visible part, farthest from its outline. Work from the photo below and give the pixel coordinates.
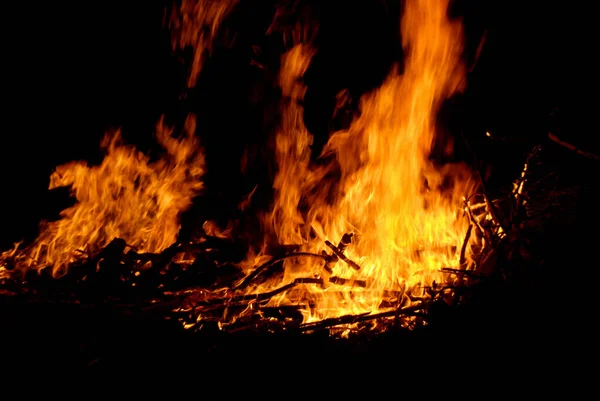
(347, 281)
(519, 188)
(333, 258)
(492, 210)
(476, 222)
(258, 297)
(572, 147)
(341, 255)
(465, 272)
(248, 279)
(463, 248)
(362, 317)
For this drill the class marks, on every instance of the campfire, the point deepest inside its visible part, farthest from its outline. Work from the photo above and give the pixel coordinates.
(365, 236)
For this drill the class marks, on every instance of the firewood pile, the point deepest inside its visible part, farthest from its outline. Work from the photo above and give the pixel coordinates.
(198, 283)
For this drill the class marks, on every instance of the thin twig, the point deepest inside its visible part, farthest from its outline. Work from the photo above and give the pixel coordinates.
(523, 178)
(260, 296)
(362, 317)
(463, 249)
(572, 147)
(248, 279)
(459, 272)
(493, 213)
(476, 222)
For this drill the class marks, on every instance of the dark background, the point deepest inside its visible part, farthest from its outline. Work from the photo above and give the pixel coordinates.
(73, 72)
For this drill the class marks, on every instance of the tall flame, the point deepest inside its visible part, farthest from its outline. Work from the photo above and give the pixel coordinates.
(293, 140)
(375, 179)
(127, 196)
(403, 210)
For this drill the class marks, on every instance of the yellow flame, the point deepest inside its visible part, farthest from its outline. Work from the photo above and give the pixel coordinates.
(127, 196)
(381, 186)
(403, 210)
(292, 146)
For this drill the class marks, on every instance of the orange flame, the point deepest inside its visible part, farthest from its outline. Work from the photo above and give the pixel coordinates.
(404, 212)
(195, 24)
(379, 185)
(127, 197)
(292, 146)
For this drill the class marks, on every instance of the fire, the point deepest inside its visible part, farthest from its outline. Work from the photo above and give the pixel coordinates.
(374, 221)
(195, 24)
(292, 148)
(127, 197)
(404, 211)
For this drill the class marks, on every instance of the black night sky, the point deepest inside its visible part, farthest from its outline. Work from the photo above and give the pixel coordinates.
(76, 71)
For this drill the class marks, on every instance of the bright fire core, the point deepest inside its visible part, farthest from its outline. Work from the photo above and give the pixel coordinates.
(403, 211)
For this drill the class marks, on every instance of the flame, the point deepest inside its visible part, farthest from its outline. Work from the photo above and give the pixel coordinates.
(293, 143)
(375, 180)
(127, 196)
(195, 24)
(404, 212)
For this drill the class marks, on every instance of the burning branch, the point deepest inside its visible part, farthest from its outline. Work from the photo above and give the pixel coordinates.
(462, 261)
(268, 295)
(572, 147)
(477, 222)
(468, 273)
(338, 252)
(362, 317)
